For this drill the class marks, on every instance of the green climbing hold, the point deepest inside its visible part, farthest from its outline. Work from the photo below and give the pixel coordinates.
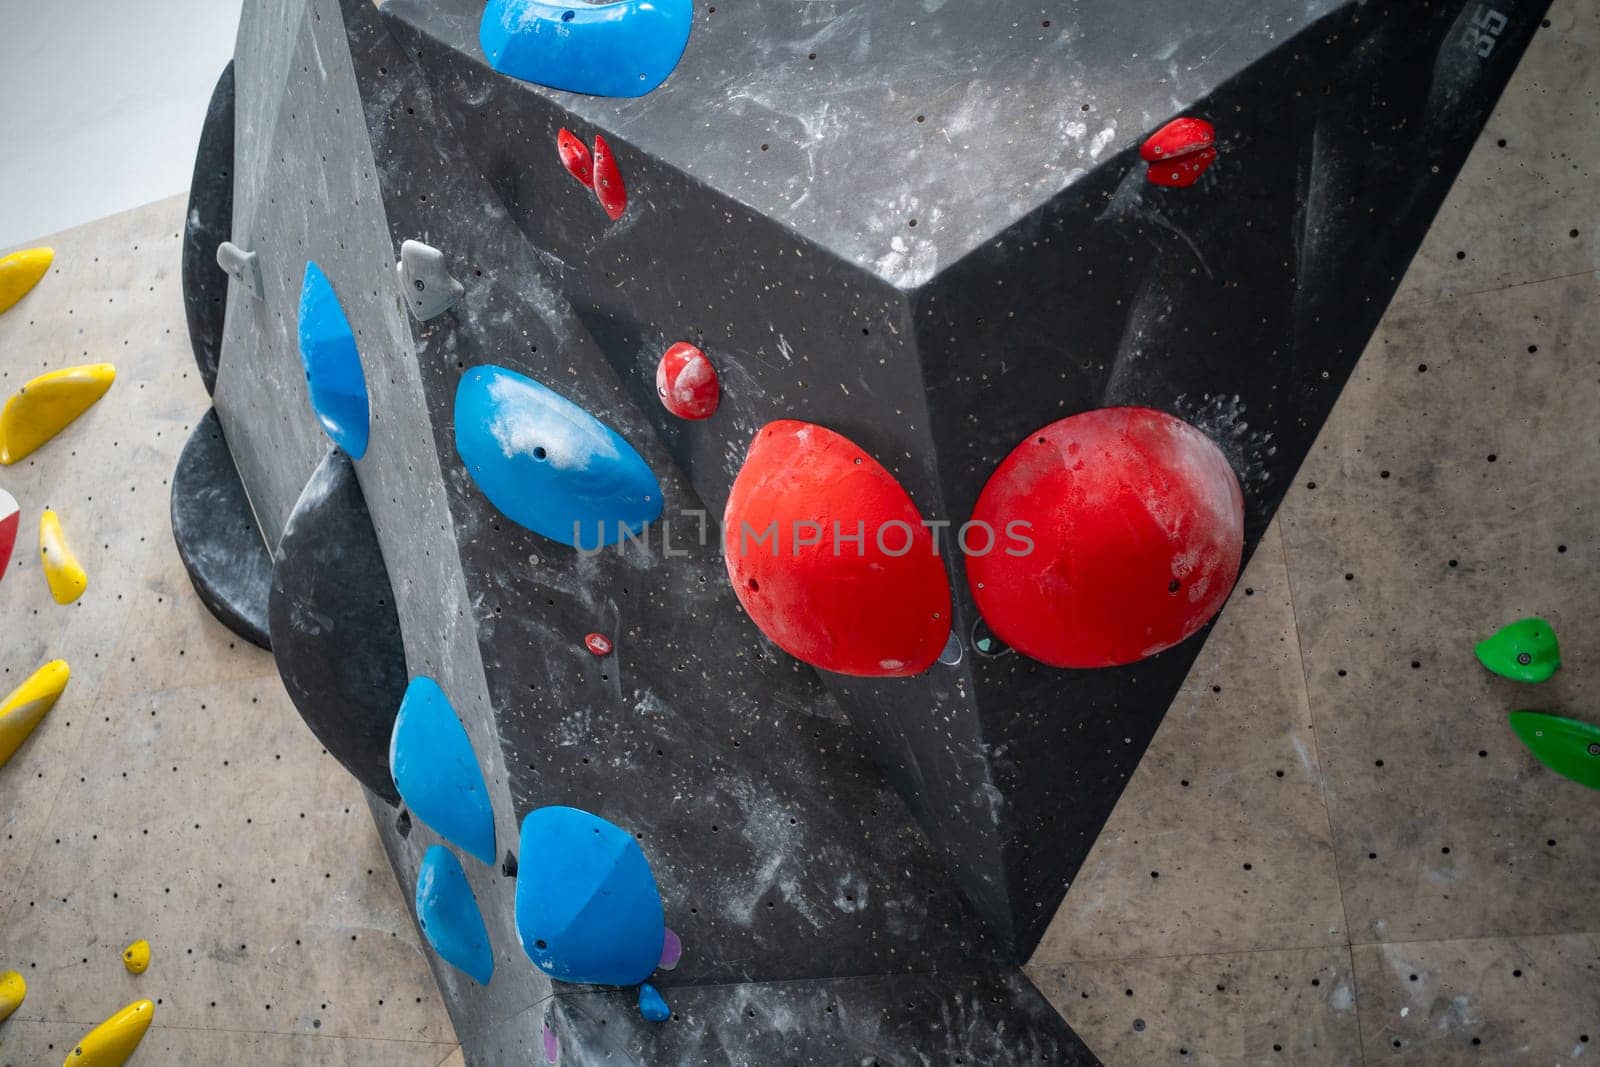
(1525, 651)
(1567, 746)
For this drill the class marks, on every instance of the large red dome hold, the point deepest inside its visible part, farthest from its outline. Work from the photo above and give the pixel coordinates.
(874, 607)
(1137, 529)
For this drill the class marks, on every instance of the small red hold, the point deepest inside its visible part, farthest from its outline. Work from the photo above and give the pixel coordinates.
(687, 383)
(1178, 138)
(575, 157)
(1134, 522)
(1182, 173)
(599, 644)
(10, 521)
(1179, 152)
(608, 180)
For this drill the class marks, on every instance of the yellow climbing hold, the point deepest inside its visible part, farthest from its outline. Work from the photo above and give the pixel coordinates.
(43, 408)
(113, 1041)
(21, 711)
(12, 990)
(61, 568)
(20, 272)
(136, 957)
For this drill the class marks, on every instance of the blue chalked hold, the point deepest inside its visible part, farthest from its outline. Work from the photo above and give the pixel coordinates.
(587, 908)
(549, 465)
(448, 914)
(334, 379)
(437, 772)
(619, 49)
(651, 1006)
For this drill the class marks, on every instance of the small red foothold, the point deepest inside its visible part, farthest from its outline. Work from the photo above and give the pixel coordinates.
(608, 180)
(1182, 173)
(575, 157)
(599, 644)
(687, 383)
(1178, 138)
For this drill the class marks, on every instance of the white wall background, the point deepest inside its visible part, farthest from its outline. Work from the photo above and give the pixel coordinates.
(101, 103)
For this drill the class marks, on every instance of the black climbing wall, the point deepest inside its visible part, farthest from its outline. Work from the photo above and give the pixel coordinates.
(927, 230)
(1240, 304)
(783, 856)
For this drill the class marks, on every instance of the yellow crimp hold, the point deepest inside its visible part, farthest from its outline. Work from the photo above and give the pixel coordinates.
(136, 957)
(20, 712)
(61, 568)
(12, 990)
(20, 272)
(113, 1041)
(43, 408)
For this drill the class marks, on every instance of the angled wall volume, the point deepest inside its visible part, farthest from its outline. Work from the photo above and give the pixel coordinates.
(863, 858)
(335, 634)
(207, 223)
(217, 536)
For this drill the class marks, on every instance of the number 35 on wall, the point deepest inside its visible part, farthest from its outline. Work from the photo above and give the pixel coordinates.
(1483, 31)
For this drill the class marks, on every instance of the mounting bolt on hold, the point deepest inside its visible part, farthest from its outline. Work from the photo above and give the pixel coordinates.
(429, 289)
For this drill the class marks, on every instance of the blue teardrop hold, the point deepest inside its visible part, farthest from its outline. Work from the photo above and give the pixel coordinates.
(334, 380)
(549, 465)
(437, 772)
(448, 914)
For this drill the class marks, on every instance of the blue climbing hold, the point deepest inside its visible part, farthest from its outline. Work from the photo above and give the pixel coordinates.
(619, 49)
(333, 366)
(448, 914)
(652, 1006)
(549, 465)
(588, 909)
(437, 772)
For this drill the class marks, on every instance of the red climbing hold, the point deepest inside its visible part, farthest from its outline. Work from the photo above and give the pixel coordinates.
(829, 556)
(599, 644)
(1182, 173)
(687, 383)
(575, 157)
(1137, 528)
(1179, 152)
(10, 520)
(608, 180)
